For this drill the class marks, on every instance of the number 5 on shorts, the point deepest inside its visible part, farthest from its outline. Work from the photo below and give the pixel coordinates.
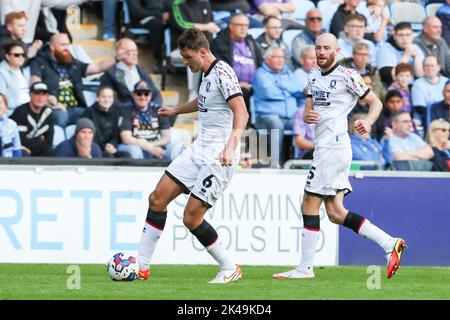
(311, 173)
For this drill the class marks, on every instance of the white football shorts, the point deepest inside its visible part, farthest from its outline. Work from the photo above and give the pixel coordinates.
(201, 175)
(329, 172)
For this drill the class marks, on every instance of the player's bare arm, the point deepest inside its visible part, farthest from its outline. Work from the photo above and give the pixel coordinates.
(363, 126)
(309, 115)
(240, 119)
(188, 107)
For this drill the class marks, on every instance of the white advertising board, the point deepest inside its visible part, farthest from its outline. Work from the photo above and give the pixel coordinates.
(85, 214)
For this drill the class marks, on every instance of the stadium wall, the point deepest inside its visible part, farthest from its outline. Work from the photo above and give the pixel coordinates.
(412, 205)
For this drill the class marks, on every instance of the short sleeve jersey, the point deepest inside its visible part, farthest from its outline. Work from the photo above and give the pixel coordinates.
(219, 85)
(334, 94)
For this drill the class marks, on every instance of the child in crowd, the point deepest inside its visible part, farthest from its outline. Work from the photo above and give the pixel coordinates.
(404, 74)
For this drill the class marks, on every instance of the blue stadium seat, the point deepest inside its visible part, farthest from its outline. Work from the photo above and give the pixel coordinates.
(412, 165)
(135, 32)
(58, 135)
(90, 97)
(288, 36)
(70, 131)
(413, 13)
(301, 8)
(255, 32)
(327, 9)
(432, 8)
(176, 65)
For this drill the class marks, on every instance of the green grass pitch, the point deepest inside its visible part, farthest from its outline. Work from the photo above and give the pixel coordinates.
(190, 282)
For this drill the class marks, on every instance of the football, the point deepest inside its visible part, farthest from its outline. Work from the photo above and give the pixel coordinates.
(122, 267)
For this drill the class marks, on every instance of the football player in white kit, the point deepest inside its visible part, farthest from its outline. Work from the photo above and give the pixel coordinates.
(203, 170)
(333, 91)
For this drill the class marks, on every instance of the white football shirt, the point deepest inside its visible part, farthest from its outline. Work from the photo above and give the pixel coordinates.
(218, 86)
(334, 94)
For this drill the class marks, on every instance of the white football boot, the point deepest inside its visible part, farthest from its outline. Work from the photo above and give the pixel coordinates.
(228, 276)
(294, 274)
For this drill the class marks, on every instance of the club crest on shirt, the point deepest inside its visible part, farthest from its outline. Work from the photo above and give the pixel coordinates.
(333, 84)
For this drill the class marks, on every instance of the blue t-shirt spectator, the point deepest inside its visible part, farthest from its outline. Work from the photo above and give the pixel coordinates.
(409, 143)
(370, 150)
(275, 93)
(424, 94)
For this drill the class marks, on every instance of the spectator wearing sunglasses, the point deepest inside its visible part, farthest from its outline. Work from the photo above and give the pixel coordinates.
(313, 27)
(438, 138)
(14, 79)
(144, 134)
(15, 28)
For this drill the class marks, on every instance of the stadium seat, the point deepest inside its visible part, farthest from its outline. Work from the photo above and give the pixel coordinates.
(288, 36)
(413, 13)
(255, 32)
(301, 8)
(70, 131)
(412, 165)
(432, 8)
(90, 97)
(218, 17)
(168, 61)
(327, 9)
(297, 164)
(58, 135)
(364, 165)
(135, 32)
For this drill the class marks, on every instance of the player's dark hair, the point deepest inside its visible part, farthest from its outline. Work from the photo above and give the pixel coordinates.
(402, 26)
(193, 39)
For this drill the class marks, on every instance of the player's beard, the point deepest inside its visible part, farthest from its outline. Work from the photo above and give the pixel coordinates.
(63, 57)
(327, 63)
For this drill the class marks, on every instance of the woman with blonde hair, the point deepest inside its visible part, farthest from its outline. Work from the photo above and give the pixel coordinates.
(437, 137)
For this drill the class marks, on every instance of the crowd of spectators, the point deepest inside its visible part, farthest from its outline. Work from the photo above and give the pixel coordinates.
(42, 81)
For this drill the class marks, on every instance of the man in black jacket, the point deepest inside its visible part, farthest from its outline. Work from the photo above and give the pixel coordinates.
(153, 15)
(35, 123)
(126, 73)
(107, 118)
(237, 48)
(63, 76)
